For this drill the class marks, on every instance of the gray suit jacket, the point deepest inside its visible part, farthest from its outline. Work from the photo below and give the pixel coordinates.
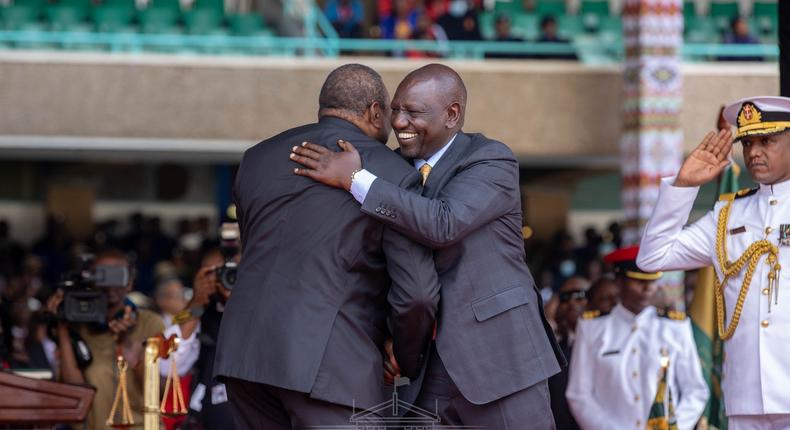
(493, 337)
(318, 278)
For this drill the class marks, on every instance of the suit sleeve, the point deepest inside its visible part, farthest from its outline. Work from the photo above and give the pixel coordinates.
(413, 296)
(580, 394)
(666, 245)
(476, 195)
(688, 377)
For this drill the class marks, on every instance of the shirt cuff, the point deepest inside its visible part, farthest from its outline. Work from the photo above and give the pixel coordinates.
(668, 183)
(361, 184)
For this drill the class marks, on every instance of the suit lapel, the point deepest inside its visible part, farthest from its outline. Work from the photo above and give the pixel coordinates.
(446, 164)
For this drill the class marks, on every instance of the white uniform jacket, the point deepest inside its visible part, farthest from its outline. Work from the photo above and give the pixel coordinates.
(615, 367)
(756, 370)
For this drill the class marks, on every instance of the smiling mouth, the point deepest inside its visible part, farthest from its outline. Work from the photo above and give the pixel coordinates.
(406, 136)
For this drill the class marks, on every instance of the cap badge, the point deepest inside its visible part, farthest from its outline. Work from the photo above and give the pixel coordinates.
(749, 114)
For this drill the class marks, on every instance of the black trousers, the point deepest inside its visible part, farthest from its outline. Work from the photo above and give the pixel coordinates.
(264, 407)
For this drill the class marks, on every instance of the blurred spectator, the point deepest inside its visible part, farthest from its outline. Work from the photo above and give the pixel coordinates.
(427, 30)
(346, 16)
(502, 34)
(548, 34)
(11, 252)
(402, 23)
(198, 331)
(740, 35)
(572, 303)
(460, 21)
(124, 332)
(170, 298)
(603, 295)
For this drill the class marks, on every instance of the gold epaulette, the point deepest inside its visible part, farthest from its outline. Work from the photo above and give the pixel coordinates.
(588, 315)
(672, 314)
(728, 197)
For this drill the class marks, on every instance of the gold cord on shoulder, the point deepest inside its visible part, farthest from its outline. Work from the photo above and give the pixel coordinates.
(751, 256)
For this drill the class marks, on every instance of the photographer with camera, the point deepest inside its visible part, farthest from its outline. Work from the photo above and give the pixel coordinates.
(198, 327)
(102, 324)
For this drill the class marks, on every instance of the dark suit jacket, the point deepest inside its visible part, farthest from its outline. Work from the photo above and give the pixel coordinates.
(492, 338)
(563, 418)
(308, 312)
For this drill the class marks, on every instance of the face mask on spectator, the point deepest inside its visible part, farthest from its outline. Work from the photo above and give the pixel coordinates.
(458, 8)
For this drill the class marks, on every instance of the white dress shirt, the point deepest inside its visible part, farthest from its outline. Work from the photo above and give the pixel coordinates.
(615, 366)
(363, 180)
(756, 369)
(187, 353)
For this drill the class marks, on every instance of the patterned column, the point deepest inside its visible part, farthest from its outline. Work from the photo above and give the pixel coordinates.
(652, 141)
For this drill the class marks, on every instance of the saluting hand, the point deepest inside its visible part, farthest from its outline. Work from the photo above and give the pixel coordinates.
(327, 166)
(707, 161)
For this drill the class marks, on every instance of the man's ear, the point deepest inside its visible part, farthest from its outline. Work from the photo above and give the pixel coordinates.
(453, 115)
(375, 115)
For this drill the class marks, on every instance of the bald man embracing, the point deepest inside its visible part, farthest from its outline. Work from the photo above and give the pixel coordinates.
(493, 349)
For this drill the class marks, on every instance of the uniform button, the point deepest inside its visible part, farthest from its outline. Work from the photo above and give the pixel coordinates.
(773, 202)
(638, 423)
(636, 398)
(635, 375)
(633, 351)
(765, 291)
(634, 327)
(768, 230)
(378, 210)
(765, 323)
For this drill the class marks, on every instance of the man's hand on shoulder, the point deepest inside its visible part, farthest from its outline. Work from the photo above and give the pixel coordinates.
(707, 161)
(326, 166)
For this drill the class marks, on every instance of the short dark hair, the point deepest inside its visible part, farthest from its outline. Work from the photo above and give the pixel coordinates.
(548, 19)
(351, 88)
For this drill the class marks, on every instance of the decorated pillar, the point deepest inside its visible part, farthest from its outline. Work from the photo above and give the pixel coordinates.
(652, 141)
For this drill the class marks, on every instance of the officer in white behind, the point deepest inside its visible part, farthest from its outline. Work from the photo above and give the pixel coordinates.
(746, 233)
(617, 361)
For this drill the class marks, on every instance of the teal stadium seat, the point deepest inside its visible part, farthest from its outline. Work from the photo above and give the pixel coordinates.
(203, 21)
(689, 9)
(701, 29)
(593, 12)
(247, 24)
(722, 13)
(766, 18)
(569, 26)
(526, 26)
(160, 21)
(216, 5)
(509, 6)
(555, 8)
(112, 19)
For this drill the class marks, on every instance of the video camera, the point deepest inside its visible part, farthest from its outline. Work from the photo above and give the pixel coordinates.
(229, 247)
(82, 302)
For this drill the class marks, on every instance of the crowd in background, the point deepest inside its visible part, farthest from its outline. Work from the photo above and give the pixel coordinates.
(459, 20)
(571, 276)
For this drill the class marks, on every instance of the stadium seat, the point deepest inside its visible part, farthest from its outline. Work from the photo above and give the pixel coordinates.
(247, 24)
(701, 29)
(217, 5)
(554, 8)
(526, 26)
(119, 4)
(722, 13)
(159, 20)
(765, 8)
(765, 18)
(112, 19)
(568, 26)
(689, 9)
(509, 6)
(66, 17)
(203, 21)
(19, 17)
(593, 12)
(172, 5)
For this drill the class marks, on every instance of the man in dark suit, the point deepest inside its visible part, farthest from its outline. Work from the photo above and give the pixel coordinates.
(302, 338)
(494, 349)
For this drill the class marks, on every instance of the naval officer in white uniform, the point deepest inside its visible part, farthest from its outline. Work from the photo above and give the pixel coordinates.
(617, 360)
(746, 237)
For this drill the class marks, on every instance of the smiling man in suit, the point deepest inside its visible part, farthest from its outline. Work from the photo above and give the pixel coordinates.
(494, 350)
(302, 337)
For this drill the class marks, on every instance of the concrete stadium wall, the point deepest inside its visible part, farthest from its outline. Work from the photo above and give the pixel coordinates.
(547, 112)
